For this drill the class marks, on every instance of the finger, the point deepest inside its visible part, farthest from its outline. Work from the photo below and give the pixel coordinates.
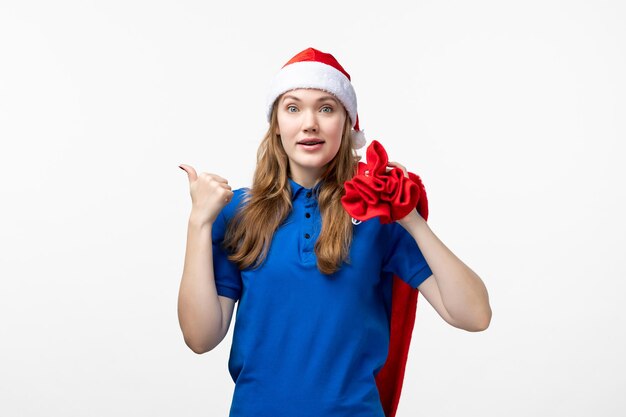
(191, 173)
(398, 165)
(228, 196)
(225, 187)
(215, 177)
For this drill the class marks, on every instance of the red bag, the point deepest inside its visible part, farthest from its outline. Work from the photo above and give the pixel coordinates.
(391, 196)
(376, 192)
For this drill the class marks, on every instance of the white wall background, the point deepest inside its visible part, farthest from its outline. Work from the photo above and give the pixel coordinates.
(511, 112)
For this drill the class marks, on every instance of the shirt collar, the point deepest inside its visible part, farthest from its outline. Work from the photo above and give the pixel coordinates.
(297, 188)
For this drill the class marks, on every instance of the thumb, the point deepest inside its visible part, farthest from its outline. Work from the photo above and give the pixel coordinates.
(191, 173)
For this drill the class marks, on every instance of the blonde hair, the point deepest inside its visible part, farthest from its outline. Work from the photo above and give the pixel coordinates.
(268, 203)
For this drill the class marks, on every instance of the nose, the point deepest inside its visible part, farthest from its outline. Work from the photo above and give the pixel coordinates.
(309, 122)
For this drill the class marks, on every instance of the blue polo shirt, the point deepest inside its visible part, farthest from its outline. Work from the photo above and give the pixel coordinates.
(307, 344)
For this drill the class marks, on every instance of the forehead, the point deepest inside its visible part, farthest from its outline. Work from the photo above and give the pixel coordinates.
(312, 94)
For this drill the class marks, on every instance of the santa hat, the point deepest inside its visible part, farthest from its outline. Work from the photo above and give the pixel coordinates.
(315, 69)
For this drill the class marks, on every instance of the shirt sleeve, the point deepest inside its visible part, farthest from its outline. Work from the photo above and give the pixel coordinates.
(227, 274)
(404, 258)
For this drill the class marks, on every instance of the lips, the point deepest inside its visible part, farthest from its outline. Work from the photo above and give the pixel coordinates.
(310, 141)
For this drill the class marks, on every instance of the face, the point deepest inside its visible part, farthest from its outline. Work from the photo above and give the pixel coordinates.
(310, 125)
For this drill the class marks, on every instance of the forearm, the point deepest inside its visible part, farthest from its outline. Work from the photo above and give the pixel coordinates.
(199, 309)
(463, 293)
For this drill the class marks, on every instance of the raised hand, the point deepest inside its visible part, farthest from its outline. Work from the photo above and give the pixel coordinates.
(209, 194)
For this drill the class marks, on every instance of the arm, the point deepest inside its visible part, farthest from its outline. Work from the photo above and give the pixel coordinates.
(455, 291)
(204, 316)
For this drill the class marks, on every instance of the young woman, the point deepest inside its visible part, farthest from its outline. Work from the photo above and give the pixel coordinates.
(314, 287)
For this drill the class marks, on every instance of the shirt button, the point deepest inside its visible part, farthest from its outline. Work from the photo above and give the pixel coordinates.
(307, 215)
(308, 194)
(306, 236)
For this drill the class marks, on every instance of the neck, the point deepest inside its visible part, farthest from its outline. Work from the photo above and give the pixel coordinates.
(305, 178)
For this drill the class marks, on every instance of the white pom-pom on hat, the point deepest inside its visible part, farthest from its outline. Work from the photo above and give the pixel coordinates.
(358, 139)
(315, 69)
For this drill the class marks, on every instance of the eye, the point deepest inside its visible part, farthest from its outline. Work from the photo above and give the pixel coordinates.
(290, 107)
(330, 109)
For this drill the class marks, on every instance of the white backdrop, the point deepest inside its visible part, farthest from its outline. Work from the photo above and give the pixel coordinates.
(511, 112)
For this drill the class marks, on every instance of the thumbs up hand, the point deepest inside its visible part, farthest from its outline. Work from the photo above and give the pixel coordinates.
(209, 194)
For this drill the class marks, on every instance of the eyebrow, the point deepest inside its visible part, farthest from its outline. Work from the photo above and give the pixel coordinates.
(318, 100)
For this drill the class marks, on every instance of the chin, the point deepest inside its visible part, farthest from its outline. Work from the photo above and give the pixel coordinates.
(318, 164)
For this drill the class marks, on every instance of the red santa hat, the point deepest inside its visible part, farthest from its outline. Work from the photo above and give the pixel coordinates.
(315, 69)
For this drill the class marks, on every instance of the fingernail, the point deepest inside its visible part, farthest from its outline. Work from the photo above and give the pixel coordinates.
(181, 167)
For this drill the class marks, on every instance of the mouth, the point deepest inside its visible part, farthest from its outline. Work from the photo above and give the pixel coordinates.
(310, 142)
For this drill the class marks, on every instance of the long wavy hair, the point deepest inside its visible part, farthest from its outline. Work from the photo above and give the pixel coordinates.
(268, 203)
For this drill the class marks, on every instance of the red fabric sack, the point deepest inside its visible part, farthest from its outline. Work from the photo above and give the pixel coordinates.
(390, 195)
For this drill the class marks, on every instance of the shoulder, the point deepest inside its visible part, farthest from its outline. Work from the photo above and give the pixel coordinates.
(374, 226)
(387, 236)
(228, 212)
(395, 234)
(379, 235)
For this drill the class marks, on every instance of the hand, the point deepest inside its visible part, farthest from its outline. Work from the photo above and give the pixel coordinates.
(397, 165)
(209, 194)
(413, 216)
